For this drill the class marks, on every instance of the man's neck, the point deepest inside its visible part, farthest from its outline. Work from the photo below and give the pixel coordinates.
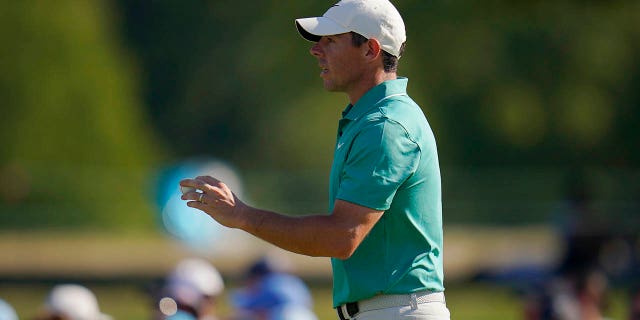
(365, 86)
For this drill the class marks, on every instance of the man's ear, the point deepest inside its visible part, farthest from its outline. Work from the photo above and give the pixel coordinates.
(373, 49)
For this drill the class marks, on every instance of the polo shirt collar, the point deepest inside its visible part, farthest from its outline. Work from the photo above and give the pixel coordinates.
(375, 95)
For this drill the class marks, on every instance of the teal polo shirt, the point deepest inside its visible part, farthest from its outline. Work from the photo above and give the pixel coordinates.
(386, 159)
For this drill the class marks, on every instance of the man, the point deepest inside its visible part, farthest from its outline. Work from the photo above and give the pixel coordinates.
(190, 291)
(71, 302)
(270, 292)
(384, 230)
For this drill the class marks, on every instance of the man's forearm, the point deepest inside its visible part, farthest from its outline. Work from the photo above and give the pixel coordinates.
(309, 235)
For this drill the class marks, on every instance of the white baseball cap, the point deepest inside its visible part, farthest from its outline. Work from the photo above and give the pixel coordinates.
(191, 281)
(7, 312)
(377, 19)
(198, 274)
(74, 301)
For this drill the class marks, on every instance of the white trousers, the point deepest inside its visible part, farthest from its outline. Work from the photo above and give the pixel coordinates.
(425, 311)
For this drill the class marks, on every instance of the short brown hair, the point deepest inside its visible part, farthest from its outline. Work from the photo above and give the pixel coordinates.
(389, 61)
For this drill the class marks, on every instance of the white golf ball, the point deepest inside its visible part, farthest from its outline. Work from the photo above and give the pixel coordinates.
(187, 189)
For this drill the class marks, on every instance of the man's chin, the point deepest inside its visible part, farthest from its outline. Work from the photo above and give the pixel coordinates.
(330, 87)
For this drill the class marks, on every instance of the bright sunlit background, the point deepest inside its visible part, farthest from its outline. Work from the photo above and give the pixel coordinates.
(107, 104)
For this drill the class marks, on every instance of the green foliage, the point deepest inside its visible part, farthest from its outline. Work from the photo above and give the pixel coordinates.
(544, 84)
(547, 85)
(72, 129)
(503, 84)
(529, 84)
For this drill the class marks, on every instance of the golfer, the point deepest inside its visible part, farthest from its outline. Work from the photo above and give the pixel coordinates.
(384, 227)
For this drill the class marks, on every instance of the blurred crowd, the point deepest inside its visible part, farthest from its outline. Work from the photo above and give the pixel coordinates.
(597, 255)
(192, 291)
(598, 251)
(597, 267)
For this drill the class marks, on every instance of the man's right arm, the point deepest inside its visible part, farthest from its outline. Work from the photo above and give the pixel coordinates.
(335, 235)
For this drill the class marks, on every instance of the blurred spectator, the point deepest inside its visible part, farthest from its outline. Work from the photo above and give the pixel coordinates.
(578, 287)
(7, 312)
(190, 291)
(634, 304)
(71, 302)
(580, 298)
(580, 226)
(270, 293)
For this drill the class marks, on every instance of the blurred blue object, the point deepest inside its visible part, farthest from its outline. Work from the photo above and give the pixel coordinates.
(181, 315)
(7, 312)
(273, 290)
(190, 226)
(291, 312)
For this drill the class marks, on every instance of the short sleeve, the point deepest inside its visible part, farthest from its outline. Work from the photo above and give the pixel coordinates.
(382, 156)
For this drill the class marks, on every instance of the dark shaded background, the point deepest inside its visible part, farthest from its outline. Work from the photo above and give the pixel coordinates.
(533, 104)
(98, 96)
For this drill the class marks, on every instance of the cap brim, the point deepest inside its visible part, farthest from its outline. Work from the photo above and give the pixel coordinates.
(314, 28)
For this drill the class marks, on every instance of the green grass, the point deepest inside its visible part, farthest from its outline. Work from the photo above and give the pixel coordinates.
(128, 302)
(479, 302)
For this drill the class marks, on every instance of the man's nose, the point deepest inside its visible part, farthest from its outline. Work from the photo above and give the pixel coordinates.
(315, 50)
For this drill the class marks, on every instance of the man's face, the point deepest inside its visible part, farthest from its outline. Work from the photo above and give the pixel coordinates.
(340, 61)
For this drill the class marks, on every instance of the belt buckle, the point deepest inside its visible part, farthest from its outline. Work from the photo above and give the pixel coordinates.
(349, 308)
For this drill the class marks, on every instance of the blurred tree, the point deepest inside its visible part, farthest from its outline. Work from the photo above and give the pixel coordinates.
(542, 83)
(503, 84)
(516, 86)
(75, 142)
(219, 79)
(551, 84)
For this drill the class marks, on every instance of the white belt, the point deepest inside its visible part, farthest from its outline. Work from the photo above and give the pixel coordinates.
(390, 300)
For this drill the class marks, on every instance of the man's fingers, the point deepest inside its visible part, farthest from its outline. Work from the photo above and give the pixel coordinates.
(203, 183)
(196, 205)
(213, 185)
(192, 183)
(212, 189)
(208, 180)
(193, 196)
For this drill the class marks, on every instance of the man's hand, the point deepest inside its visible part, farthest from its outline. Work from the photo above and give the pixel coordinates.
(216, 200)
